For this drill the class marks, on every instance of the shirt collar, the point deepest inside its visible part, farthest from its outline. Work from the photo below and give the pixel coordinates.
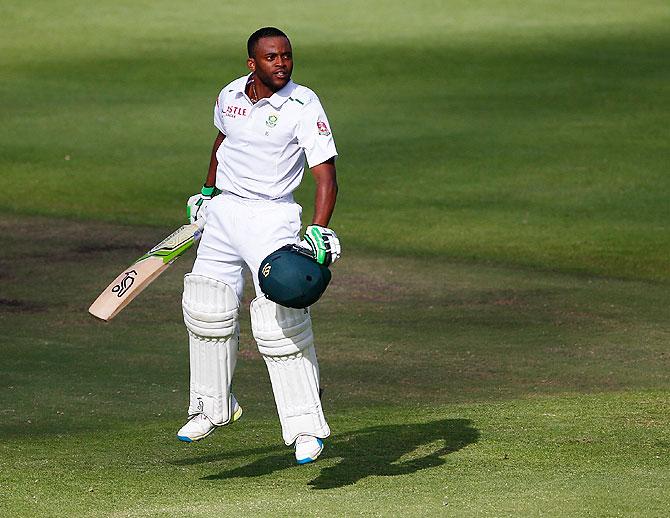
(277, 99)
(281, 96)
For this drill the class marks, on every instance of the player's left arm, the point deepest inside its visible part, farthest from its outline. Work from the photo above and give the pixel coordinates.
(315, 137)
(325, 177)
(322, 240)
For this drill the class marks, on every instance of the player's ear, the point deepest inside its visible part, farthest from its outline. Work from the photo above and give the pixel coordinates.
(251, 64)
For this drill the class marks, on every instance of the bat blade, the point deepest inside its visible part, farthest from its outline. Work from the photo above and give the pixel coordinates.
(131, 281)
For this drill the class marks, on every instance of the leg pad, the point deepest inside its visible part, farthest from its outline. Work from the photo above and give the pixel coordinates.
(210, 313)
(284, 337)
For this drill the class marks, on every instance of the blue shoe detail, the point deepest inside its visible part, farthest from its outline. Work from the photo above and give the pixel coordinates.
(204, 428)
(307, 460)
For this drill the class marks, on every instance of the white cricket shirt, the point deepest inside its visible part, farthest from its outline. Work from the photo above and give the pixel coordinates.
(263, 154)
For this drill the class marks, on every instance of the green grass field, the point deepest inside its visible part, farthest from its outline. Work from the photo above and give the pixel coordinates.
(495, 338)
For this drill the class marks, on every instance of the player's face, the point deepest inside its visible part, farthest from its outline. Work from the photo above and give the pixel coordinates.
(272, 62)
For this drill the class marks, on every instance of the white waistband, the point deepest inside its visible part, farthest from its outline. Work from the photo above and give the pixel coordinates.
(283, 199)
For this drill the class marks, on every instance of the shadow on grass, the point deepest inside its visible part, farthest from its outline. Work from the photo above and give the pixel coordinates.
(388, 450)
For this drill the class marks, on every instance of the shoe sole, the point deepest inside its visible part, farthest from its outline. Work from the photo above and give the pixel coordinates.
(307, 460)
(184, 438)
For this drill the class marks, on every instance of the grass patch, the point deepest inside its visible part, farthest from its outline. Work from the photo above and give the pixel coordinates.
(479, 391)
(522, 133)
(494, 341)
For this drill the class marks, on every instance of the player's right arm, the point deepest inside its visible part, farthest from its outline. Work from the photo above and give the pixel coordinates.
(213, 161)
(220, 125)
(197, 202)
(195, 206)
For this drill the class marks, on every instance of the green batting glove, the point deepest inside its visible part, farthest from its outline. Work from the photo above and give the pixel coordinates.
(324, 244)
(195, 206)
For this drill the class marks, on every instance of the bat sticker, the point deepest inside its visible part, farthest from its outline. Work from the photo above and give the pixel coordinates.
(124, 285)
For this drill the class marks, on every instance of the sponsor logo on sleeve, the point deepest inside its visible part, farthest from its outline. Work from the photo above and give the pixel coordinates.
(323, 128)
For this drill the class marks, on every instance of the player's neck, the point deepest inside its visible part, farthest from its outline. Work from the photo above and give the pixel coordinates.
(256, 90)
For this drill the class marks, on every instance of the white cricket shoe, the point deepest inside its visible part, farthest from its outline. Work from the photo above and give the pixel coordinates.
(307, 448)
(199, 426)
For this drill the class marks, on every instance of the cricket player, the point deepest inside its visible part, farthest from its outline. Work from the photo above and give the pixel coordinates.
(268, 127)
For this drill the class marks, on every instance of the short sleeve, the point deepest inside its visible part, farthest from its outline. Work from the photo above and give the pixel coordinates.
(218, 119)
(314, 134)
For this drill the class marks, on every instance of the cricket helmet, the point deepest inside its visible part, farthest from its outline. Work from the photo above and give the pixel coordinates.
(290, 276)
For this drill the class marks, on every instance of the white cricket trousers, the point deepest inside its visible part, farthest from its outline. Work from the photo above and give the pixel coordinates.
(240, 233)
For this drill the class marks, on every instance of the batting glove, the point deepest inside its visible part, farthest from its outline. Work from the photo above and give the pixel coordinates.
(324, 244)
(196, 204)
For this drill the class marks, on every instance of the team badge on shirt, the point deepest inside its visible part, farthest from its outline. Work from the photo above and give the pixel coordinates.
(323, 128)
(272, 121)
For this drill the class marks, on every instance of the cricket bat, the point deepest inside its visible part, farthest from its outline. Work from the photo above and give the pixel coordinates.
(130, 283)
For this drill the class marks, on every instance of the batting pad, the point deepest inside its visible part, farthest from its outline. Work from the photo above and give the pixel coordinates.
(210, 313)
(284, 337)
(279, 330)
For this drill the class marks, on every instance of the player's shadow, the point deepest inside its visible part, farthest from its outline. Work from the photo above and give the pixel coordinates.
(385, 450)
